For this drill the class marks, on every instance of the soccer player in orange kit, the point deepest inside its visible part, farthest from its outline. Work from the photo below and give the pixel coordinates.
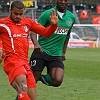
(14, 31)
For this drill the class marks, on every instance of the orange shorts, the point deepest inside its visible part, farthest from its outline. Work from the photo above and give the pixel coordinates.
(14, 66)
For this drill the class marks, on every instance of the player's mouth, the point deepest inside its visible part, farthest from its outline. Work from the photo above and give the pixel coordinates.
(62, 6)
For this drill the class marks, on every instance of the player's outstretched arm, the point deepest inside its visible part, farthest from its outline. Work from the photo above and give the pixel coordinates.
(47, 32)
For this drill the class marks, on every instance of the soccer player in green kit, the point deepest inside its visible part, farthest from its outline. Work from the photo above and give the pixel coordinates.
(50, 52)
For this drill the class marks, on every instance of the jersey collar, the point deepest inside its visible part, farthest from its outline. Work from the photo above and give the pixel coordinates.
(58, 15)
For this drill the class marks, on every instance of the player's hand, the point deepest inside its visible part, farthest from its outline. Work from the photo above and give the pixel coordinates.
(37, 48)
(63, 57)
(53, 17)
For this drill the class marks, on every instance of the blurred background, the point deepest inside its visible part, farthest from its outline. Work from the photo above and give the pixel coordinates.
(85, 10)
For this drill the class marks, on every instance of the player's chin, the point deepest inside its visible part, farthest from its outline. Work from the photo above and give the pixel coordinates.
(17, 20)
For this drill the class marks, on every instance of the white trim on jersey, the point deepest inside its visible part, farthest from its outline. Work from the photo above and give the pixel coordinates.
(60, 14)
(9, 33)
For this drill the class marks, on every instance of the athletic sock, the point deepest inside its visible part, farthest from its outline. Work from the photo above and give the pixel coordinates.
(46, 79)
(23, 96)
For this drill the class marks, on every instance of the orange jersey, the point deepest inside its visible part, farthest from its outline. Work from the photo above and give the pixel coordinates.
(14, 36)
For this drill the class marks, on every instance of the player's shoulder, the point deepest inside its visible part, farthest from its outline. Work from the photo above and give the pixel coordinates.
(70, 14)
(27, 19)
(3, 20)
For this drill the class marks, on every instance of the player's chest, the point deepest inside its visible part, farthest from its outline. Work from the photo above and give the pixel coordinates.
(18, 31)
(65, 23)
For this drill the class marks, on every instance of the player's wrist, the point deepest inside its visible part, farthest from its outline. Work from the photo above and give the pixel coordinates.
(36, 43)
(63, 52)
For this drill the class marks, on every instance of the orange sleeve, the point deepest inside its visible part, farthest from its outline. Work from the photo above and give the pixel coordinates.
(43, 31)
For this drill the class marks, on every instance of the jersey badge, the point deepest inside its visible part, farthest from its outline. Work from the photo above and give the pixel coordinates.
(26, 28)
(69, 23)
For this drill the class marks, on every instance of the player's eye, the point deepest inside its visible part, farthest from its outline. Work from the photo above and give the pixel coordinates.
(15, 13)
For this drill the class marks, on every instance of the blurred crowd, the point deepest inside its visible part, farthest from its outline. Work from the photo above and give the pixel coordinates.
(79, 5)
(4, 7)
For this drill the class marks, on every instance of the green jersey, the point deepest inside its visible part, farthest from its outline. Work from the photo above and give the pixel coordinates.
(53, 46)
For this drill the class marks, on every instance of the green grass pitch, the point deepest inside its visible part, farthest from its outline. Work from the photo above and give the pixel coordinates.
(81, 78)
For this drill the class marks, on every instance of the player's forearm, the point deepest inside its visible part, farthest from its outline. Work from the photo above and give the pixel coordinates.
(43, 31)
(34, 38)
(50, 30)
(65, 47)
(65, 44)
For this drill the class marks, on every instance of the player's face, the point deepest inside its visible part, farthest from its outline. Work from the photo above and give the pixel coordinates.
(16, 14)
(61, 5)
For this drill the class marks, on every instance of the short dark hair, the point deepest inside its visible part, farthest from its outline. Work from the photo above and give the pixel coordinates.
(17, 4)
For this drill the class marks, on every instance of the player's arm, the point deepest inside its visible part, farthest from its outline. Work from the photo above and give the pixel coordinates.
(43, 19)
(47, 32)
(66, 43)
(65, 47)
(37, 47)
